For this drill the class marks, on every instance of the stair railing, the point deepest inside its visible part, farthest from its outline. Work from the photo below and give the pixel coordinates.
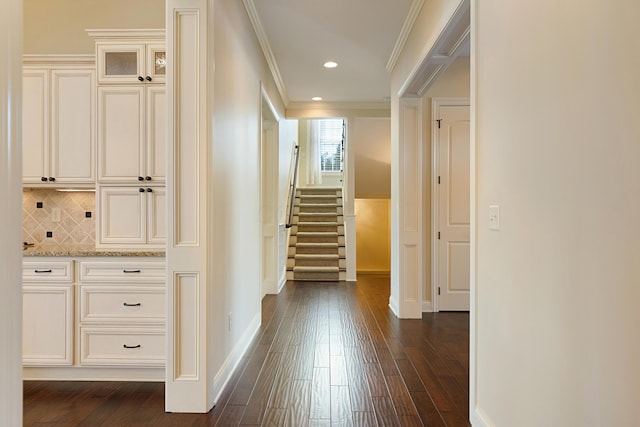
(293, 185)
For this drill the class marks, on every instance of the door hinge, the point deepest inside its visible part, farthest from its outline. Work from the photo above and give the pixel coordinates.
(438, 235)
(438, 290)
(438, 180)
(439, 120)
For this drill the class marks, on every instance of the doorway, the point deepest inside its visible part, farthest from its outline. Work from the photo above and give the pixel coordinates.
(269, 197)
(451, 204)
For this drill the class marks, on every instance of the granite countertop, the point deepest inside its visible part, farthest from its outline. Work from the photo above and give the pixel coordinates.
(84, 251)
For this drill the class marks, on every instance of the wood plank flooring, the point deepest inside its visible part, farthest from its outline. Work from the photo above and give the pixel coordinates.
(326, 354)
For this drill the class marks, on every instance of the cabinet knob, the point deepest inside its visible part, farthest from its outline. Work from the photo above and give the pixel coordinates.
(149, 190)
(43, 179)
(141, 190)
(140, 178)
(140, 78)
(52, 179)
(148, 178)
(149, 78)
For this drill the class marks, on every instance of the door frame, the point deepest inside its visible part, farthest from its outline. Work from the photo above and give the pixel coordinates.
(269, 126)
(436, 103)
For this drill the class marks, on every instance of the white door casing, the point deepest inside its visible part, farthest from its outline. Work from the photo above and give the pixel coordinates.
(451, 204)
(269, 213)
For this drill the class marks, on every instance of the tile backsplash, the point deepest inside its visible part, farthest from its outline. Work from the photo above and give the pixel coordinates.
(76, 226)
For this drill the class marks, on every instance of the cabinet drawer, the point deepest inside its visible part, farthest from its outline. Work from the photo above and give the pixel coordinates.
(122, 346)
(54, 271)
(114, 304)
(122, 272)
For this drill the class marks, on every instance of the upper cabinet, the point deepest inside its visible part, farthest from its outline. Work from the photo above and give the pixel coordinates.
(59, 121)
(130, 56)
(131, 63)
(131, 68)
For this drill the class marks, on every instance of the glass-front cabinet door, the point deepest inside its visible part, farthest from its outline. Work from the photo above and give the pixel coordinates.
(121, 63)
(156, 71)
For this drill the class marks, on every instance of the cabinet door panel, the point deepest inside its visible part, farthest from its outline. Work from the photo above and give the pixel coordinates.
(35, 126)
(120, 63)
(122, 216)
(120, 133)
(156, 133)
(156, 216)
(72, 126)
(156, 63)
(47, 325)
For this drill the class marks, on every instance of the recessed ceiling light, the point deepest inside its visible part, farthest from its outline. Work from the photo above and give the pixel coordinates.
(330, 64)
(316, 98)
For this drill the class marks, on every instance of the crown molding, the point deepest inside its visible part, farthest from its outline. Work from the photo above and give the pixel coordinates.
(339, 105)
(127, 34)
(301, 110)
(75, 60)
(414, 11)
(263, 40)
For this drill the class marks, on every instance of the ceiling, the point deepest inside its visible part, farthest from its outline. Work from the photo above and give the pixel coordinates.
(299, 36)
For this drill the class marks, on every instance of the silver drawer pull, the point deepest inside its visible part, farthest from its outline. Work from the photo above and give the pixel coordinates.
(43, 271)
(132, 305)
(131, 346)
(131, 271)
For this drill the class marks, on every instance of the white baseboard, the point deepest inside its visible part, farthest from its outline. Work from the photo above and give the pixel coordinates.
(393, 305)
(229, 366)
(427, 306)
(480, 419)
(85, 373)
(283, 281)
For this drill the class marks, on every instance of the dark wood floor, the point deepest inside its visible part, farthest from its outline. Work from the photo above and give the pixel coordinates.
(326, 354)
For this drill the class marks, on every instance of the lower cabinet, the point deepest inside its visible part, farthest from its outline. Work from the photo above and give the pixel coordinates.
(121, 313)
(47, 313)
(94, 312)
(47, 324)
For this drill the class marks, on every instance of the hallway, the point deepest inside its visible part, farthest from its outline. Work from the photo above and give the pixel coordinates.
(326, 354)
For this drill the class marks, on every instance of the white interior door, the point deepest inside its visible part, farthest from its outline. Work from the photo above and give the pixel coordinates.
(453, 210)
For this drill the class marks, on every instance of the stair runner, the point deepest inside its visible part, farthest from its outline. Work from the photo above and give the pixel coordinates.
(316, 242)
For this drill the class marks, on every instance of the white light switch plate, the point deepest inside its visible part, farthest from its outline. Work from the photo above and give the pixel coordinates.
(494, 217)
(55, 215)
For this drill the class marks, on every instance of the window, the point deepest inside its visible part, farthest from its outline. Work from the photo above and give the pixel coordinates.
(330, 134)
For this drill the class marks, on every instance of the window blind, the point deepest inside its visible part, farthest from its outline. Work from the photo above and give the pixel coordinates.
(330, 136)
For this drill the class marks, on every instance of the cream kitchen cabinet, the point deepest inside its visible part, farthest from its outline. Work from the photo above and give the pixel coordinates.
(131, 62)
(131, 134)
(48, 313)
(121, 313)
(131, 217)
(59, 122)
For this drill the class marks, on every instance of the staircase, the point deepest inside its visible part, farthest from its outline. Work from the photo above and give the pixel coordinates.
(316, 242)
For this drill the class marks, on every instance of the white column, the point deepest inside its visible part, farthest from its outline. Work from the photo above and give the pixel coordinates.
(188, 378)
(406, 212)
(10, 213)
(348, 201)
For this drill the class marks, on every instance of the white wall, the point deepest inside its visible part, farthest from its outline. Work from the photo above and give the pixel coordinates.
(58, 26)
(235, 176)
(372, 146)
(10, 213)
(557, 288)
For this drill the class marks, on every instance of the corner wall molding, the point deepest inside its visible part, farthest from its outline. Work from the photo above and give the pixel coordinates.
(410, 20)
(263, 40)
